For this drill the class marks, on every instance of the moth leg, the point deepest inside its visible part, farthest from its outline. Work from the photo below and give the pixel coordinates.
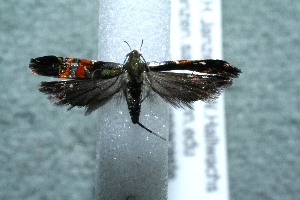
(147, 129)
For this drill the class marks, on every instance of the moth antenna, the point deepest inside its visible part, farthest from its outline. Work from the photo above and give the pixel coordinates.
(141, 45)
(144, 127)
(128, 45)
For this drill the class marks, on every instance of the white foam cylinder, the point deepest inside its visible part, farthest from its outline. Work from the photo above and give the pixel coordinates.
(131, 162)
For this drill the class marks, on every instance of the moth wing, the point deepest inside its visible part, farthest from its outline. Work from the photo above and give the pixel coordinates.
(183, 89)
(208, 66)
(73, 68)
(89, 93)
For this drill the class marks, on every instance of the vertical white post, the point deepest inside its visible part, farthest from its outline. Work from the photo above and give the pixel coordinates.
(198, 158)
(131, 162)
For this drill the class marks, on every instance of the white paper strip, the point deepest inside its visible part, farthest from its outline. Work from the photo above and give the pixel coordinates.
(197, 149)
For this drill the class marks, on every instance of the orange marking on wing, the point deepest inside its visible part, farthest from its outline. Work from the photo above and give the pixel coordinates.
(185, 62)
(70, 60)
(66, 73)
(82, 65)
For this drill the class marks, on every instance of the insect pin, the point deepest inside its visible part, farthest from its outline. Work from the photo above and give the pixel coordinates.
(92, 83)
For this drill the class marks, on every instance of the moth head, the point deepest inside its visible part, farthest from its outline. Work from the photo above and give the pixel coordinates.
(134, 55)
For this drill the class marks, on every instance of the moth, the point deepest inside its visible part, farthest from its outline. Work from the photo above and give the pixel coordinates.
(92, 83)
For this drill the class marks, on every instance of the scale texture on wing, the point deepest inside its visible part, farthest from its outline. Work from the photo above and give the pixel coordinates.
(208, 66)
(74, 68)
(183, 89)
(91, 93)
